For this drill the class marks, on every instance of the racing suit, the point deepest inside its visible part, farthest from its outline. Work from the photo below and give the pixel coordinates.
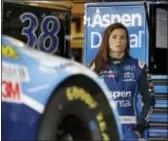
(125, 78)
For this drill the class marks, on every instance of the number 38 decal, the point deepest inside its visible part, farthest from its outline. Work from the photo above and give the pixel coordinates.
(46, 32)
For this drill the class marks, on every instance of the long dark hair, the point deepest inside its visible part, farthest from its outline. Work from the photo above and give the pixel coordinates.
(101, 59)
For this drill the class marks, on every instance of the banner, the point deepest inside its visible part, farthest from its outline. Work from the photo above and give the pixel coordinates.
(99, 16)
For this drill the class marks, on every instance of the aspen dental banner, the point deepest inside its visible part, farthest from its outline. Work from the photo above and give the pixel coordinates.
(99, 15)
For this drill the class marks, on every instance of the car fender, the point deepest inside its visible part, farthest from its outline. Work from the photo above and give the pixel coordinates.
(43, 73)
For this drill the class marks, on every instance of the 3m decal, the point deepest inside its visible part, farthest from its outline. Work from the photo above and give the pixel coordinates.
(11, 91)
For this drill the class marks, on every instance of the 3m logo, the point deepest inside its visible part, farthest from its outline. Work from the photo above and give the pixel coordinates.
(11, 91)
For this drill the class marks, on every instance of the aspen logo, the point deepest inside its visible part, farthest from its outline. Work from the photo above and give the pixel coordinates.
(118, 94)
(103, 20)
(11, 91)
(103, 17)
(126, 98)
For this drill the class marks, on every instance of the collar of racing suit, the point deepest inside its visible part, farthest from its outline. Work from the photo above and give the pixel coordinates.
(116, 61)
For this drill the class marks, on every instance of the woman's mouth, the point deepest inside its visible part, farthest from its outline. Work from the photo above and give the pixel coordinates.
(118, 46)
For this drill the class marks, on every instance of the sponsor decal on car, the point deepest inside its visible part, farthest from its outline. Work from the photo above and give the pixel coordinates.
(14, 72)
(11, 91)
(9, 52)
(12, 77)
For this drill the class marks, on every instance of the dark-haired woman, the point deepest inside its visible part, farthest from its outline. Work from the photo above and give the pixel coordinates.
(125, 77)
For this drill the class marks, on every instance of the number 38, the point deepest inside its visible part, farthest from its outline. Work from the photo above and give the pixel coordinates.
(46, 32)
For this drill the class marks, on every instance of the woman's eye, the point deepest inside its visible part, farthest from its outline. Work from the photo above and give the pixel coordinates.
(123, 37)
(114, 37)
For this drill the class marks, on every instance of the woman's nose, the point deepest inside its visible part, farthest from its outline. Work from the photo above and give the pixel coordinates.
(118, 40)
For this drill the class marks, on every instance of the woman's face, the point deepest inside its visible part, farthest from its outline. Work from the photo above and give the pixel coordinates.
(118, 40)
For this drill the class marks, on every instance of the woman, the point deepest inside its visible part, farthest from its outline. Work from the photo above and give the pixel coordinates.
(125, 78)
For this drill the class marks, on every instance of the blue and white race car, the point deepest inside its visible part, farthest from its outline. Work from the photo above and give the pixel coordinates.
(47, 97)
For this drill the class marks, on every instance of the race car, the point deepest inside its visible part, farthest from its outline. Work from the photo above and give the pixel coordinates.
(46, 97)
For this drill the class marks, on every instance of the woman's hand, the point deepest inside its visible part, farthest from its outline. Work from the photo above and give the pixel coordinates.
(138, 134)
